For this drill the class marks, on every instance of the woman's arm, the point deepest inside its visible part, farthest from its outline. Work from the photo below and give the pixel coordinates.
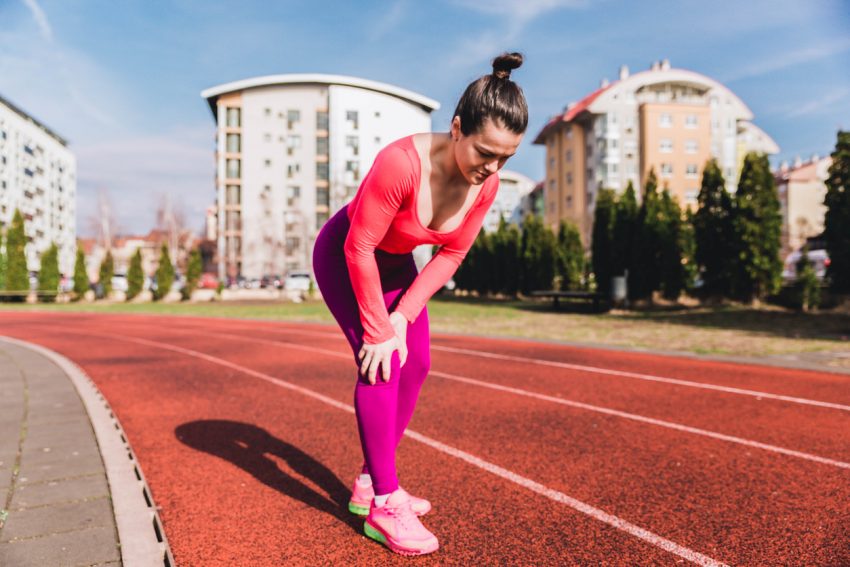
(445, 262)
(380, 196)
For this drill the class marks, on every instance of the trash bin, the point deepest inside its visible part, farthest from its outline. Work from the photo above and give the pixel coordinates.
(618, 290)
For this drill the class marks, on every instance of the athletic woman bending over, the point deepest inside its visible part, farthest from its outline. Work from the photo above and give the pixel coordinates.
(428, 188)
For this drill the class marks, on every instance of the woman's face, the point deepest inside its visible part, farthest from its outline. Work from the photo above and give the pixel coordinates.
(484, 152)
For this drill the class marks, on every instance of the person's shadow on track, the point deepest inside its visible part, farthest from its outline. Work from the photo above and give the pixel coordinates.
(248, 447)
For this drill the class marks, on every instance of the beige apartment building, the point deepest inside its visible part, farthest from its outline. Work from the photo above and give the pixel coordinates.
(663, 119)
(802, 190)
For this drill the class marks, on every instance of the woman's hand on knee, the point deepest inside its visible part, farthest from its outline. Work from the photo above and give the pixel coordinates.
(373, 356)
(399, 323)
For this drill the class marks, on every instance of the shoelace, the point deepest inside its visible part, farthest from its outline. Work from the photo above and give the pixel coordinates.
(403, 513)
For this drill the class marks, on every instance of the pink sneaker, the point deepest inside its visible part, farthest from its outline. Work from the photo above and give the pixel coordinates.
(363, 494)
(395, 525)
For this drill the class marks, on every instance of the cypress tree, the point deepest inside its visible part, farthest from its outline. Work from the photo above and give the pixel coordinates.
(807, 284)
(539, 247)
(81, 278)
(107, 270)
(624, 230)
(506, 262)
(193, 273)
(837, 221)
(645, 275)
(164, 274)
(3, 261)
(601, 246)
(671, 256)
(757, 230)
(484, 264)
(48, 274)
(135, 275)
(570, 257)
(17, 276)
(713, 231)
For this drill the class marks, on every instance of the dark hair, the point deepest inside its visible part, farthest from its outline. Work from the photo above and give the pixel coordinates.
(494, 96)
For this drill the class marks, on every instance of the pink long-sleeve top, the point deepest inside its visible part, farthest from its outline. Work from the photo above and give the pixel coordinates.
(383, 216)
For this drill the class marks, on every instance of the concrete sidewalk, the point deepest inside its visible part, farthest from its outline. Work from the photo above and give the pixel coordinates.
(71, 491)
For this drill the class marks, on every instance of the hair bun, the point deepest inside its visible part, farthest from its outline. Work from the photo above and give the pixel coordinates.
(505, 63)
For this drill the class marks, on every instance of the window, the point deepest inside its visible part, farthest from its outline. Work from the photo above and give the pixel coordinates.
(666, 145)
(234, 143)
(293, 193)
(354, 167)
(589, 150)
(267, 111)
(569, 156)
(551, 163)
(691, 121)
(353, 142)
(292, 117)
(321, 219)
(233, 221)
(569, 178)
(569, 201)
(666, 170)
(234, 117)
(322, 171)
(321, 120)
(613, 144)
(234, 168)
(293, 142)
(691, 146)
(322, 146)
(292, 244)
(351, 116)
(665, 120)
(234, 194)
(267, 163)
(377, 140)
(267, 137)
(691, 195)
(322, 196)
(293, 169)
(691, 170)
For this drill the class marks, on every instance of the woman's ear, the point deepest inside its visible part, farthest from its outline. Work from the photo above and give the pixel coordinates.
(455, 129)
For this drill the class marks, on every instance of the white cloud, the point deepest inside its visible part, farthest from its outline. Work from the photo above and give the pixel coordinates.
(389, 19)
(40, 19)
(137, 171)
(786, 60)
(821, 104)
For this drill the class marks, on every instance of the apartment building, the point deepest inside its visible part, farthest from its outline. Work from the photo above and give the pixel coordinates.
(38, 175)
(514, 188)
(663, 119)
(802, 190)
(291, 151)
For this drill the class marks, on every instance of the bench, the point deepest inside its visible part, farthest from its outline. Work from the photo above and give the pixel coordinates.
(595, 297)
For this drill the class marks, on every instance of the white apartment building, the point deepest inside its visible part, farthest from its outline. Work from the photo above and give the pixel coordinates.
(664, 119)
(291, 151)
(38, 175)
(802, 190)
(513, 188)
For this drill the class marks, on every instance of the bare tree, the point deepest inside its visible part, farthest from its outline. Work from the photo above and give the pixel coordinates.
(102, 221)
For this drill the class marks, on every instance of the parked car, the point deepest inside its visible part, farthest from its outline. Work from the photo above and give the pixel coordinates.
(208, 281)
(819, 258)
(271, 280)
(297, 280)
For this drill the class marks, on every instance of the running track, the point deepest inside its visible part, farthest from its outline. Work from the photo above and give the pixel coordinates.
(531, 453)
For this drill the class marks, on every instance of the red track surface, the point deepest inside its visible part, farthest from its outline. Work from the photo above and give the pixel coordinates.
(247, 472)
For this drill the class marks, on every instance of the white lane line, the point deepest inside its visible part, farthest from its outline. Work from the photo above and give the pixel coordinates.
(587, 509)
(578, 405)
(597, 370)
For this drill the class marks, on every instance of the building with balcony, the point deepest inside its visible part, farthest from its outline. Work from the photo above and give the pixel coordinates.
(291, 150)
(802, 190)
(664, 119)
(38, 175)
(514, 188)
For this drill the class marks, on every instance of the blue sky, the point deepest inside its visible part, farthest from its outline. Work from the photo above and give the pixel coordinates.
(122, 80)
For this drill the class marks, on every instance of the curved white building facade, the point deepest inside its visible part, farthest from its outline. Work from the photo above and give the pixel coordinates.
(291, 151)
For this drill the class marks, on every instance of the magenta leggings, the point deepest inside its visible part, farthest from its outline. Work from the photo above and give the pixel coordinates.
(385, 408)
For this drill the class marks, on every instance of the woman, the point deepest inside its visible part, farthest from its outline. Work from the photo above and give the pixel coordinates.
(430, 188)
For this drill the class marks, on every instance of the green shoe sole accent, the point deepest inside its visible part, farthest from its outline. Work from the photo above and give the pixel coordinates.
(373, 533)
(359, 510)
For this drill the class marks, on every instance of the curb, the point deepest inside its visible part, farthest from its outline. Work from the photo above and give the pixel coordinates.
(141, 537)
